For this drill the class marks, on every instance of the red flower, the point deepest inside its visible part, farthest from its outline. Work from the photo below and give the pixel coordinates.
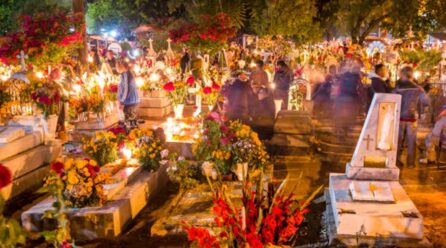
(215, 86)
(56, 97)
(65, 244)
(207, 90)
(93, 170)
(5, 176)
(117, 131)
(57, 167)
(45, 100)
(190, 81)
(169, 87)
(224, 140)
(113, 88)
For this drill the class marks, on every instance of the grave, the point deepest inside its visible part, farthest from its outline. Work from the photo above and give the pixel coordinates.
(154, 105)
(368, 201)
(180, 135)
(127, 196)
(93, 124)
(24, 152)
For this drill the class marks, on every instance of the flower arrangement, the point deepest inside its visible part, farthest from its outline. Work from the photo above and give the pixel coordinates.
(79, 181)
(12, 233)
(148, 148)
(46, 38)
(176, 91)
(45, 95)
(102, 147)
(186, 173)
(227, 144)
(259, 222)
(210, 34)
(210, 93)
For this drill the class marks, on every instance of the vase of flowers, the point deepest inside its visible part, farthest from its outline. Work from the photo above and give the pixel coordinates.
(102, 147)
(178, 111)
(177, 93)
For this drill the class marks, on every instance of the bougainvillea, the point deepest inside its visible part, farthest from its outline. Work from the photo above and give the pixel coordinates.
(46, 38)
(209, 35)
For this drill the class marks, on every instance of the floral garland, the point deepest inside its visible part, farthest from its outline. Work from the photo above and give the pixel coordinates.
(79, 180)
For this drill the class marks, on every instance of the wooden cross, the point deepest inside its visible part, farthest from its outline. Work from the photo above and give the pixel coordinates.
(368, 139)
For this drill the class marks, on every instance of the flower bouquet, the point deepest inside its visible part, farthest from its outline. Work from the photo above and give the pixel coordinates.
(102, 147)
(210, 94)
(46, 96)
(148, 148)
(79, 181)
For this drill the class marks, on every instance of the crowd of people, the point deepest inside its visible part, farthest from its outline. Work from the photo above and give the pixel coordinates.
(346, 91)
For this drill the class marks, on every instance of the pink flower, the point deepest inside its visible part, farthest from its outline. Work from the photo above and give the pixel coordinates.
(215, 86)
(169, 87)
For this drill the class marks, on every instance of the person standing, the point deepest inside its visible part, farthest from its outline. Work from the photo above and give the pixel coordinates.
(413, 101)
(259, 77)
(109, 65)
(127, 93)
(282, 80)
(380, 83)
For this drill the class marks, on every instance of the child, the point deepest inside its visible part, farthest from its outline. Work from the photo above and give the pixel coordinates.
(127, 93)
(433, 140)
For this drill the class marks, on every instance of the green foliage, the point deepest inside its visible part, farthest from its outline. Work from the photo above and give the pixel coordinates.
(11, 233)
(425, 60)
(186, 173)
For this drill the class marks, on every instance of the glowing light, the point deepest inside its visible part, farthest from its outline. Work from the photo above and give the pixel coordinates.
(139, 82)
(417, 74)
(154, 77)
(137, 69)
(127, 153)
(77, 89)
(272, 85)
(39, 74)
(169, 71)
(252, 65)
(113, 33)
(3, 77)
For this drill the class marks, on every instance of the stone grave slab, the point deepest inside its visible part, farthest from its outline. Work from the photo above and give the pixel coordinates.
(9, 134)
(20, 145)
(371, 191)
(154, 112)
(29, 168)
(29, 123)
(399, 220)
(292, 122)
(108, 221)
(93, 124)
(150, 102)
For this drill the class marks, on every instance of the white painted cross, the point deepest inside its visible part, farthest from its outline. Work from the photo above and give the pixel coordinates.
(22, 58)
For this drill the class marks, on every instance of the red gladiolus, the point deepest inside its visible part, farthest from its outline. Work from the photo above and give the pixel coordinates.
(190, 81)
(57, 167)
(5, 176)
(207, 90)
(169, 87)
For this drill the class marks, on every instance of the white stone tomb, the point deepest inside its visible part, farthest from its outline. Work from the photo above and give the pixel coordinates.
(368, 200)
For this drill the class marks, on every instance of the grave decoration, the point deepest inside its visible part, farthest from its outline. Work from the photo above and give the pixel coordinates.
(254, 220)
(79, 181)
(147, 148)
(210, 94)
(177, 93)
(102, 147)
(93, 102)
(370, 183)
(230, 146)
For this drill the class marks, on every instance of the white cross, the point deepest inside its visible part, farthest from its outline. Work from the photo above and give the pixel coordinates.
(22, 58)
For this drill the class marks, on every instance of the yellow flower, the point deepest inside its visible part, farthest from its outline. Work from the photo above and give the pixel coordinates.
(68, 163)
(152, 155)
(72, 177)
(80, 163)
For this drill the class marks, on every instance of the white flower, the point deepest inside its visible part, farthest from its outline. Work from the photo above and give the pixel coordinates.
(164, 153)
(180, 158)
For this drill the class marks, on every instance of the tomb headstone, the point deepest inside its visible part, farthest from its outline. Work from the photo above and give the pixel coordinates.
(368, 200)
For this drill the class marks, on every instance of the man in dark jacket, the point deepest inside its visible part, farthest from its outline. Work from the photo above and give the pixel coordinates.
(380, 83)
(413, 100)
(282, 79)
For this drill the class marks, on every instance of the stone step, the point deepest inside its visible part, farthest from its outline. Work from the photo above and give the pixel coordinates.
(154, 113)
(95, 125)
(108, 221)
(293, 123)
(149, 102)
(335, 148)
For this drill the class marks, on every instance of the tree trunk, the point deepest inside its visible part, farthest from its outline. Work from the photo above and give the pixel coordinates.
(79, 9)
